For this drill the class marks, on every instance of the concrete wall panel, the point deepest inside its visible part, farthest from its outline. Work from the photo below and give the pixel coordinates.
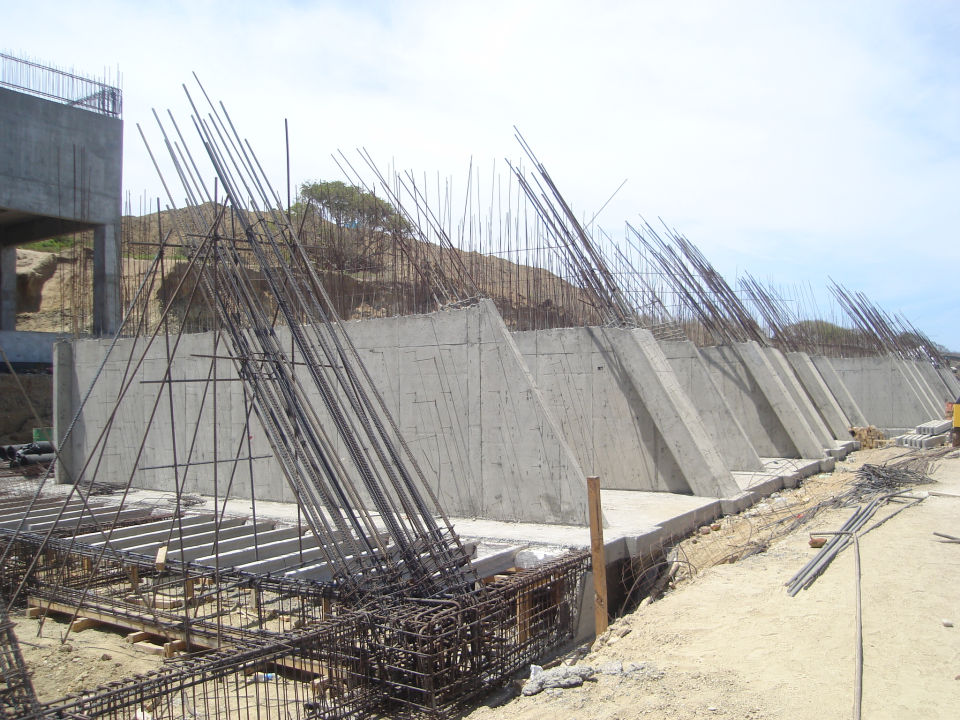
(454, 381)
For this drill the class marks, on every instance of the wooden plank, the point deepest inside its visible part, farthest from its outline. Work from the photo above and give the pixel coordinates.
(173, 647)
(82, 623)
(149, 647)
(138, 636)
(596, 550)
(33, 612)
(161, 560)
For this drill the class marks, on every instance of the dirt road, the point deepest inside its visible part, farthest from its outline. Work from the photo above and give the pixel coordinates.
(731, 643)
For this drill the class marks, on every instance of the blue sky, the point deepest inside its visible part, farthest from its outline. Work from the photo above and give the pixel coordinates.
(791, 140)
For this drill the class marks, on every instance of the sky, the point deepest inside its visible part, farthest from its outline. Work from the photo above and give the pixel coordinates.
(794, 141)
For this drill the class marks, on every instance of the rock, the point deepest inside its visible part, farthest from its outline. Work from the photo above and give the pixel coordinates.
(65, 648)
(623, 631)
(705, 530)
(715, 527)
(947, 623)
(562, 676)
(611, 668)
(818, 542)
(635, 667)
(106, 656)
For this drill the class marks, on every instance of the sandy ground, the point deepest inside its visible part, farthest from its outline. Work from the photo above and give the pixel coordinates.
(730, 643)
(87, 659)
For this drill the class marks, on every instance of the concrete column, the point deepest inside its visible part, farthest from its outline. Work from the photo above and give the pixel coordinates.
(107, 310)
(63, 407)
(8, 287)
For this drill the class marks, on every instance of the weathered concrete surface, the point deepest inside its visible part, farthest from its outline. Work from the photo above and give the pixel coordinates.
(823, 400)
(721, 425)
(882, 392)
(454, 381)
(623, 411)
(760, 402)
(60, 172)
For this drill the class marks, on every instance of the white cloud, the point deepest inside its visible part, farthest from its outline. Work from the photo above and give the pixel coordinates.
(789, 139)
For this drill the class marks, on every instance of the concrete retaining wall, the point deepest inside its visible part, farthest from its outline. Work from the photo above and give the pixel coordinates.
(721, 425)
(455, 382)
(820, 395)
(808, 412)
(880, 389)
(760, 402)
(839, 391)
(623, 411)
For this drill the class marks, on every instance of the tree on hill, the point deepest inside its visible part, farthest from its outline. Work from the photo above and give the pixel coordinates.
(353, 227)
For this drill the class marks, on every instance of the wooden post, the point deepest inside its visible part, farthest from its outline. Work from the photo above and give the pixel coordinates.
(596, 550)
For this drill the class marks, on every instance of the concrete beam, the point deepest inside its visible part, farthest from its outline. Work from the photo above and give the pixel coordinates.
(107, 272)
(136, 531)
(245, 541)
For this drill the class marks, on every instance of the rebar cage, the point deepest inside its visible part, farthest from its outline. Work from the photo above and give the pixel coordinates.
(257, 646)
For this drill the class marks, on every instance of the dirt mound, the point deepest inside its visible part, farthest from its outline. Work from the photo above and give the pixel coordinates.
(33, 270)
